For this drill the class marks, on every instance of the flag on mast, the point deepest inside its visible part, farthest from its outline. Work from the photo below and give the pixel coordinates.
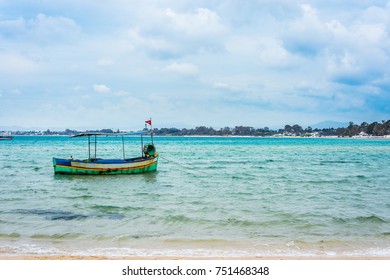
(149, 122)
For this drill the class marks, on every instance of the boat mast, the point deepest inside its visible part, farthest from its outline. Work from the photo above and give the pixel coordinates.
(151, 130)
(142, 145)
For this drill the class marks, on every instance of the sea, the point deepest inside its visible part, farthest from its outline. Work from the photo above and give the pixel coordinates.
(220, 197)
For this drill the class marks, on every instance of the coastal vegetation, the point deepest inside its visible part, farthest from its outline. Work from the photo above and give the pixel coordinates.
(364, 129)
(352, 130)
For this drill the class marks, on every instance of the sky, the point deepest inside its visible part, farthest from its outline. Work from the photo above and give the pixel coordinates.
(113, 64)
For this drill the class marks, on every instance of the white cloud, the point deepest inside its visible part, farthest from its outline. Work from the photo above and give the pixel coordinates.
(101, 88)
(171, 33)
(221, 85)
(308, 34)
(182, 68)
(359, 53)
(53, 26)
(14, 63)
(273, 53)
(41, 29)
(268, 51)
(203, 22)
(156, 46)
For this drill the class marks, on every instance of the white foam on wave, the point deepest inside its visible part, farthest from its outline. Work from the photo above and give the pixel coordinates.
(123, 252)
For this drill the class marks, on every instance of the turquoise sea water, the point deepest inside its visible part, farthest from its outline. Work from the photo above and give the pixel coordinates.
(216, 197)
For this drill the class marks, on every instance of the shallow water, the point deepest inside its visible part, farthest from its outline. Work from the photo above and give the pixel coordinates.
(210, 197)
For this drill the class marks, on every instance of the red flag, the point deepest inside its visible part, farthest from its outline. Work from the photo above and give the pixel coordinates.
(149, 122)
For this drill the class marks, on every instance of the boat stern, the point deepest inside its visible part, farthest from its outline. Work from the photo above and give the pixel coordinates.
(61, 165)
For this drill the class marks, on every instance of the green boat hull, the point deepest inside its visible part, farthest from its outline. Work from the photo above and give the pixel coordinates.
(105, 167)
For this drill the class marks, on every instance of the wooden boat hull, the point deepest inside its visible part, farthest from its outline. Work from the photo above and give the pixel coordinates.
(105, 166)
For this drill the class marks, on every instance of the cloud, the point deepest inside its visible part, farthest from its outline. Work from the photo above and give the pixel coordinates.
(15, 63)
(40, 29)
(202, 22)
(225, 62)
(171, 33)
(53, 27)
(361, 54)
(155, 46)
(267, 51)
(101, 88)
(307, 35)
(186, 69)
(349, 53)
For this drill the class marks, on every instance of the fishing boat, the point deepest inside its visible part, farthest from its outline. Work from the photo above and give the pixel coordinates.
(6, 136)
(93, 165)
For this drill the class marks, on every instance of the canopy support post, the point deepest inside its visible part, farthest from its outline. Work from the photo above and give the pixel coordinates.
(89, 148)
(123, 148)
(95, 147)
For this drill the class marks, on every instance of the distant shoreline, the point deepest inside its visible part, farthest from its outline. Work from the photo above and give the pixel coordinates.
(364, 130)
(385, 137)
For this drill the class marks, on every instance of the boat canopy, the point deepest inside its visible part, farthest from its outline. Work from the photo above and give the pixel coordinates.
(141, 133)
(88, 134)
